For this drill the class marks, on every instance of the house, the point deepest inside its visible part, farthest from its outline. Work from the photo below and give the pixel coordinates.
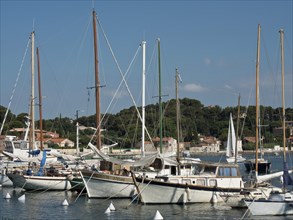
(249, 140)
(21, 132)
(207, 144)
(169, 144)
(61, 142)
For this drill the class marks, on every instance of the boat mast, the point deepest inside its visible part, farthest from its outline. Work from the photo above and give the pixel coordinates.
(143, 98)
(160, 96)
(32, 113)
(283, 92)
(97, 84)
(40, 100)
(237, 128)
(177, 119)
(256, 101)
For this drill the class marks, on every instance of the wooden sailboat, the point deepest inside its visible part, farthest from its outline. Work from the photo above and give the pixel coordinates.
(101, 184)
(260, 165)
(277, 203)
(206, 183)
(119, 183)
(108, 183)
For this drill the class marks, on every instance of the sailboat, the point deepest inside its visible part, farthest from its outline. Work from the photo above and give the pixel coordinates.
(232, 144)
(108, 181)
(207, 182)
(277, 203)
(42, 179)
(258, 164)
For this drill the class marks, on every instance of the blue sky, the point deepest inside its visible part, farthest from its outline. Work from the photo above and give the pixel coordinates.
(212, 43)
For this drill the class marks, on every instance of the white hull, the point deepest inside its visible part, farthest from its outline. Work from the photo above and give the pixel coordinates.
(269, 207)
(101, 185)
(4, 180)
(237, 200)
(153, 193)
(39, 182)
(232, 159)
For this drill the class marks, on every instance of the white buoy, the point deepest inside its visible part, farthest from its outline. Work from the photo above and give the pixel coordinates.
(158, 216)
(7, 196)
(111, 207)
(214, 198)
(108, 210)
(22, 198)
(65, 203)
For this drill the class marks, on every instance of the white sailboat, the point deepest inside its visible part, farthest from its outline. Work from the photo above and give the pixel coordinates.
(232, 144)
(43, 179)
(277, 203)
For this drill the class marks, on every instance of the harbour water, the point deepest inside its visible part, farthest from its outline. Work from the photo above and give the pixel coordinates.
(48, 205)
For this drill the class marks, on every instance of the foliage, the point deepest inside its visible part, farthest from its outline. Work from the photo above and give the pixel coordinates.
(195, 118)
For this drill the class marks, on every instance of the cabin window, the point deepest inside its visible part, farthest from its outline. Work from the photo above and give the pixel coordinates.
(208, 169)
(227, 171)
(173, 170)
(234, 171)
(213, 182)
(17, 145)
(197, 169)
(224, 171)
(200, 182)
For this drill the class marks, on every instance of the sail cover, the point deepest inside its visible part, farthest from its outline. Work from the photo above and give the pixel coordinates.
(142, 162)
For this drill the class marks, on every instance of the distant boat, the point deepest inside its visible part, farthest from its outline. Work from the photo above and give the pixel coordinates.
(232, 144)
(264, 166)
(277, 203)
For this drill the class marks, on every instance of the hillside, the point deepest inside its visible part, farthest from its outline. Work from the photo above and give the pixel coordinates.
(125, 127)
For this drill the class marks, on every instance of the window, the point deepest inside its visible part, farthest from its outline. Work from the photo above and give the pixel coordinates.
(227, 171)
(213, 182)
(200, 182)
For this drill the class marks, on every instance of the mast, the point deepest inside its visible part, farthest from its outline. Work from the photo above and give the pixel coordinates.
(256, 101)
(40, 100)
(32, 113)
(283, 92)
(97, 84)
(237, 128)
(160, 96)
(77, 138)
(143, 99)
(177, 118)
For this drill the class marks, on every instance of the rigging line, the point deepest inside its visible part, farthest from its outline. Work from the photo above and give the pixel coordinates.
(104, 115)
(121, 73)
(15, 84)
(246, 109)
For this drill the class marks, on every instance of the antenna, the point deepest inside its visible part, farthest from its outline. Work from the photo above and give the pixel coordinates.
(93, 4)
(34, 24)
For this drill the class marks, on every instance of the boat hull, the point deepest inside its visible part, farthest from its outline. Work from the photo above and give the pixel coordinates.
(39, 183)
(157, 192)
(268, 207)
(5, 181)
(102, 185)
(240, 159)
(263, 166)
